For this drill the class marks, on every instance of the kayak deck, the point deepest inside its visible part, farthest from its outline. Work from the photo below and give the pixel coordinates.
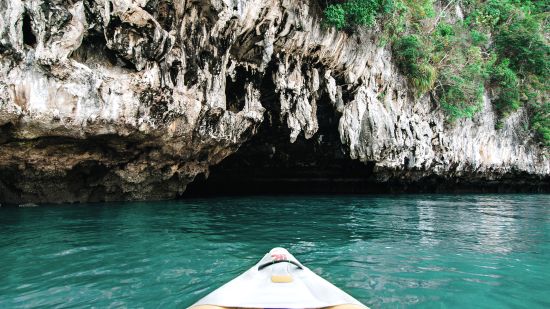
(278, 280)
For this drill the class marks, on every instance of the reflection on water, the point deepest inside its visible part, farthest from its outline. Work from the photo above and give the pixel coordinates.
(485, 251)
(426, 219)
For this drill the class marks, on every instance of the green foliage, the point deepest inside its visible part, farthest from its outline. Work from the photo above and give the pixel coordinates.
(461, 95)
(395, 20)
(521, 40)
(478, 38)
(443, 38)
(506, 85)
(335, 15)
(462, 72)
(537, 91)
(412, 57)
(459, 110)
(540, 121)
(521, 44)
(409, 52)
(420, 9)
(492, 12)
(445, 30)
(501, 45)
(355, 13)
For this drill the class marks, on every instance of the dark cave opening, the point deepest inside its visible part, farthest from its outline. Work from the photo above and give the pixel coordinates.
(29, 38)
(94, 46)
(269, 164)
(6, 132)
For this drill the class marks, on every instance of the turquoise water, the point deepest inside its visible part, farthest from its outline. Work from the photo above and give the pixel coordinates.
(467, 251)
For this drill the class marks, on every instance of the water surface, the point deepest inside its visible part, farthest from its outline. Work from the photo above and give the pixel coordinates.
(441, 251)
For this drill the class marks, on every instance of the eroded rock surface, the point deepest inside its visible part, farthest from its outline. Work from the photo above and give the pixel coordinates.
(131, 99)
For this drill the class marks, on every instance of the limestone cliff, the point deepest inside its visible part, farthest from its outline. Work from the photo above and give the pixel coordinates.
(131, 99)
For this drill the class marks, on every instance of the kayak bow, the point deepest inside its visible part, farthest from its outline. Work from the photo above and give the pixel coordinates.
(278, 280)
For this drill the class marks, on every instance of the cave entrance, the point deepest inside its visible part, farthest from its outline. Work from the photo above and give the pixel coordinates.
(270, 164)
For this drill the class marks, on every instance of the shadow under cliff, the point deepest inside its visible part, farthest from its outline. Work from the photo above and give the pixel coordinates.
(270, 164)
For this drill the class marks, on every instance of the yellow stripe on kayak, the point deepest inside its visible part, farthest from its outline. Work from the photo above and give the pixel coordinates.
(281, 279)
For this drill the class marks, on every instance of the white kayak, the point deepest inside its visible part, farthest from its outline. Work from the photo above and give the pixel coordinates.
(278, 280)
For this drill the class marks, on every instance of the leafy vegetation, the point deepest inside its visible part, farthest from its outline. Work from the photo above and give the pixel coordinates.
(355, 13)
(506, 84)
(413, 58)
(499, 45)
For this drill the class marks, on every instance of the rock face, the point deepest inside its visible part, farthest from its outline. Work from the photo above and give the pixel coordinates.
(131, 99)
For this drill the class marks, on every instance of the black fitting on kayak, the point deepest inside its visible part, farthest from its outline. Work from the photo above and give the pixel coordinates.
(279, 261)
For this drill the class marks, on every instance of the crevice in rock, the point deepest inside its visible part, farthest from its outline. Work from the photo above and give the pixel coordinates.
(190, 77)
(29, 38)
(269, 99)
(163, 11)
(119, 47)
(235, 90)
(175, 71)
